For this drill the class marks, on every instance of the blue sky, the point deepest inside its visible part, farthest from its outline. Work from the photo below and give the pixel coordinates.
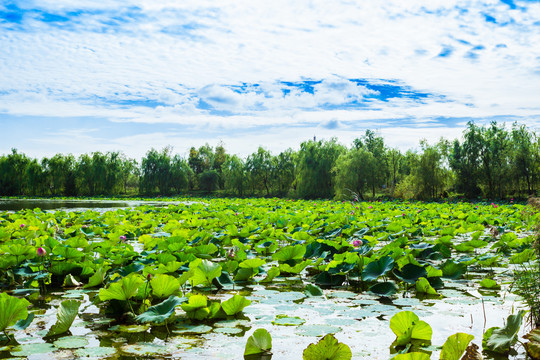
(83, 76)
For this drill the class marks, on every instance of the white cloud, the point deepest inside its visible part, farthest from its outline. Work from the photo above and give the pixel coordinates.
(172, 54)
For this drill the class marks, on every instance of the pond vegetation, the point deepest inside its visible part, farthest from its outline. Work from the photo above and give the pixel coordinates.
(267, 278)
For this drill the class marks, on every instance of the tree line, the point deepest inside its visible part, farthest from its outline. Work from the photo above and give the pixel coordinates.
(490, 161)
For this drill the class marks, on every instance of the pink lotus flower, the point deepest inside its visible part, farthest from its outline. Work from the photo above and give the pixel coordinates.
(357, 243)
(494, 206)
(41, 252)
(122, 237)
(22, 225)
(403, 214)
(370, 207)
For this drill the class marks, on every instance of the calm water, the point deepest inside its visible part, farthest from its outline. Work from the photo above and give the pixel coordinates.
(52, 204)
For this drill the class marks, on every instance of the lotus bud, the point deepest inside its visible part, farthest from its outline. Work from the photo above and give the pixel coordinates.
(122, 238)
(41, 252)
(357, 243)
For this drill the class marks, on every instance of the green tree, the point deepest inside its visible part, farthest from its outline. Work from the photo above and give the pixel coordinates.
(284, 171)
(12, 172)
(352, 171)
(260, 166)
(316, 159)
(234, 175)
(156, 171)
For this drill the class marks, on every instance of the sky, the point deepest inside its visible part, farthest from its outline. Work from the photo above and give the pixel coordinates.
(129, 75)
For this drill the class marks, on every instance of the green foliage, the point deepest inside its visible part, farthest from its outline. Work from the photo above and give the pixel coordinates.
(203, 272)
(258, 343)
(197, 307)
(377, 268)
(455, 346)
(235, 305)
(500, 340)
(159, 313)
(328, 348)
(124, 289)
(67, 311)
(407, 326)
(164, 286)
(12, 309)
(412, 356)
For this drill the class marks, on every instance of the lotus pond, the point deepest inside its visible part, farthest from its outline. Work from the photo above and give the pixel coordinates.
(195, 280)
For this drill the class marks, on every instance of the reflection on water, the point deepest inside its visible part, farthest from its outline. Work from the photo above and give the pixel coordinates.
(53, 204)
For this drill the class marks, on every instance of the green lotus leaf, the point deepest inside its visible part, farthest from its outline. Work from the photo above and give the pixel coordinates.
(98, 277)
(252, 263)
(377, 268)
(500, 340)
(452, 270)
(410, 273)
(124, 289)
(258, 343)
(12, 309)
(412, 356)
(164, 286)
(235, 304)
(271, 274)
(328, 348)
(204, 272)
(455, 346)
(24, 323)
(406, 325)
(195, 302)
(157, 314)
(67, 311)
(387, 288)
(424, 287)
(313, 290)
(291, 252)
(488, 283)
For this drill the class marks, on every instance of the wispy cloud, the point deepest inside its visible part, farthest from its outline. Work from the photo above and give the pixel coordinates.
(242, 67)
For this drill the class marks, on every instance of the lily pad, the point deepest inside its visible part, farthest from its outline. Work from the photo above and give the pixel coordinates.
(317, 330)
(130, 328)
(192, 329)
(71, 342)
(95, 352)
(228, 330)
(146, 349)
(288, 320)
(31, 349)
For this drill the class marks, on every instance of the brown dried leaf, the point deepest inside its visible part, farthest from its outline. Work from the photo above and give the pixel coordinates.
(472, 353)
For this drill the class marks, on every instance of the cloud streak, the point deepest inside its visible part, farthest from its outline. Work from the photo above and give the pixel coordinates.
(239, 67)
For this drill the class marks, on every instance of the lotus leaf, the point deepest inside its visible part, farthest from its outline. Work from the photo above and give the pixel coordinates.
(124, 289)
(12, 309)
(67, 311)
(235, 305)
(328, 348)
(164, 286)
(159, 313)
(500, 340)
(407, 326)
(455, 346)
(258, 343)
(377, 268)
